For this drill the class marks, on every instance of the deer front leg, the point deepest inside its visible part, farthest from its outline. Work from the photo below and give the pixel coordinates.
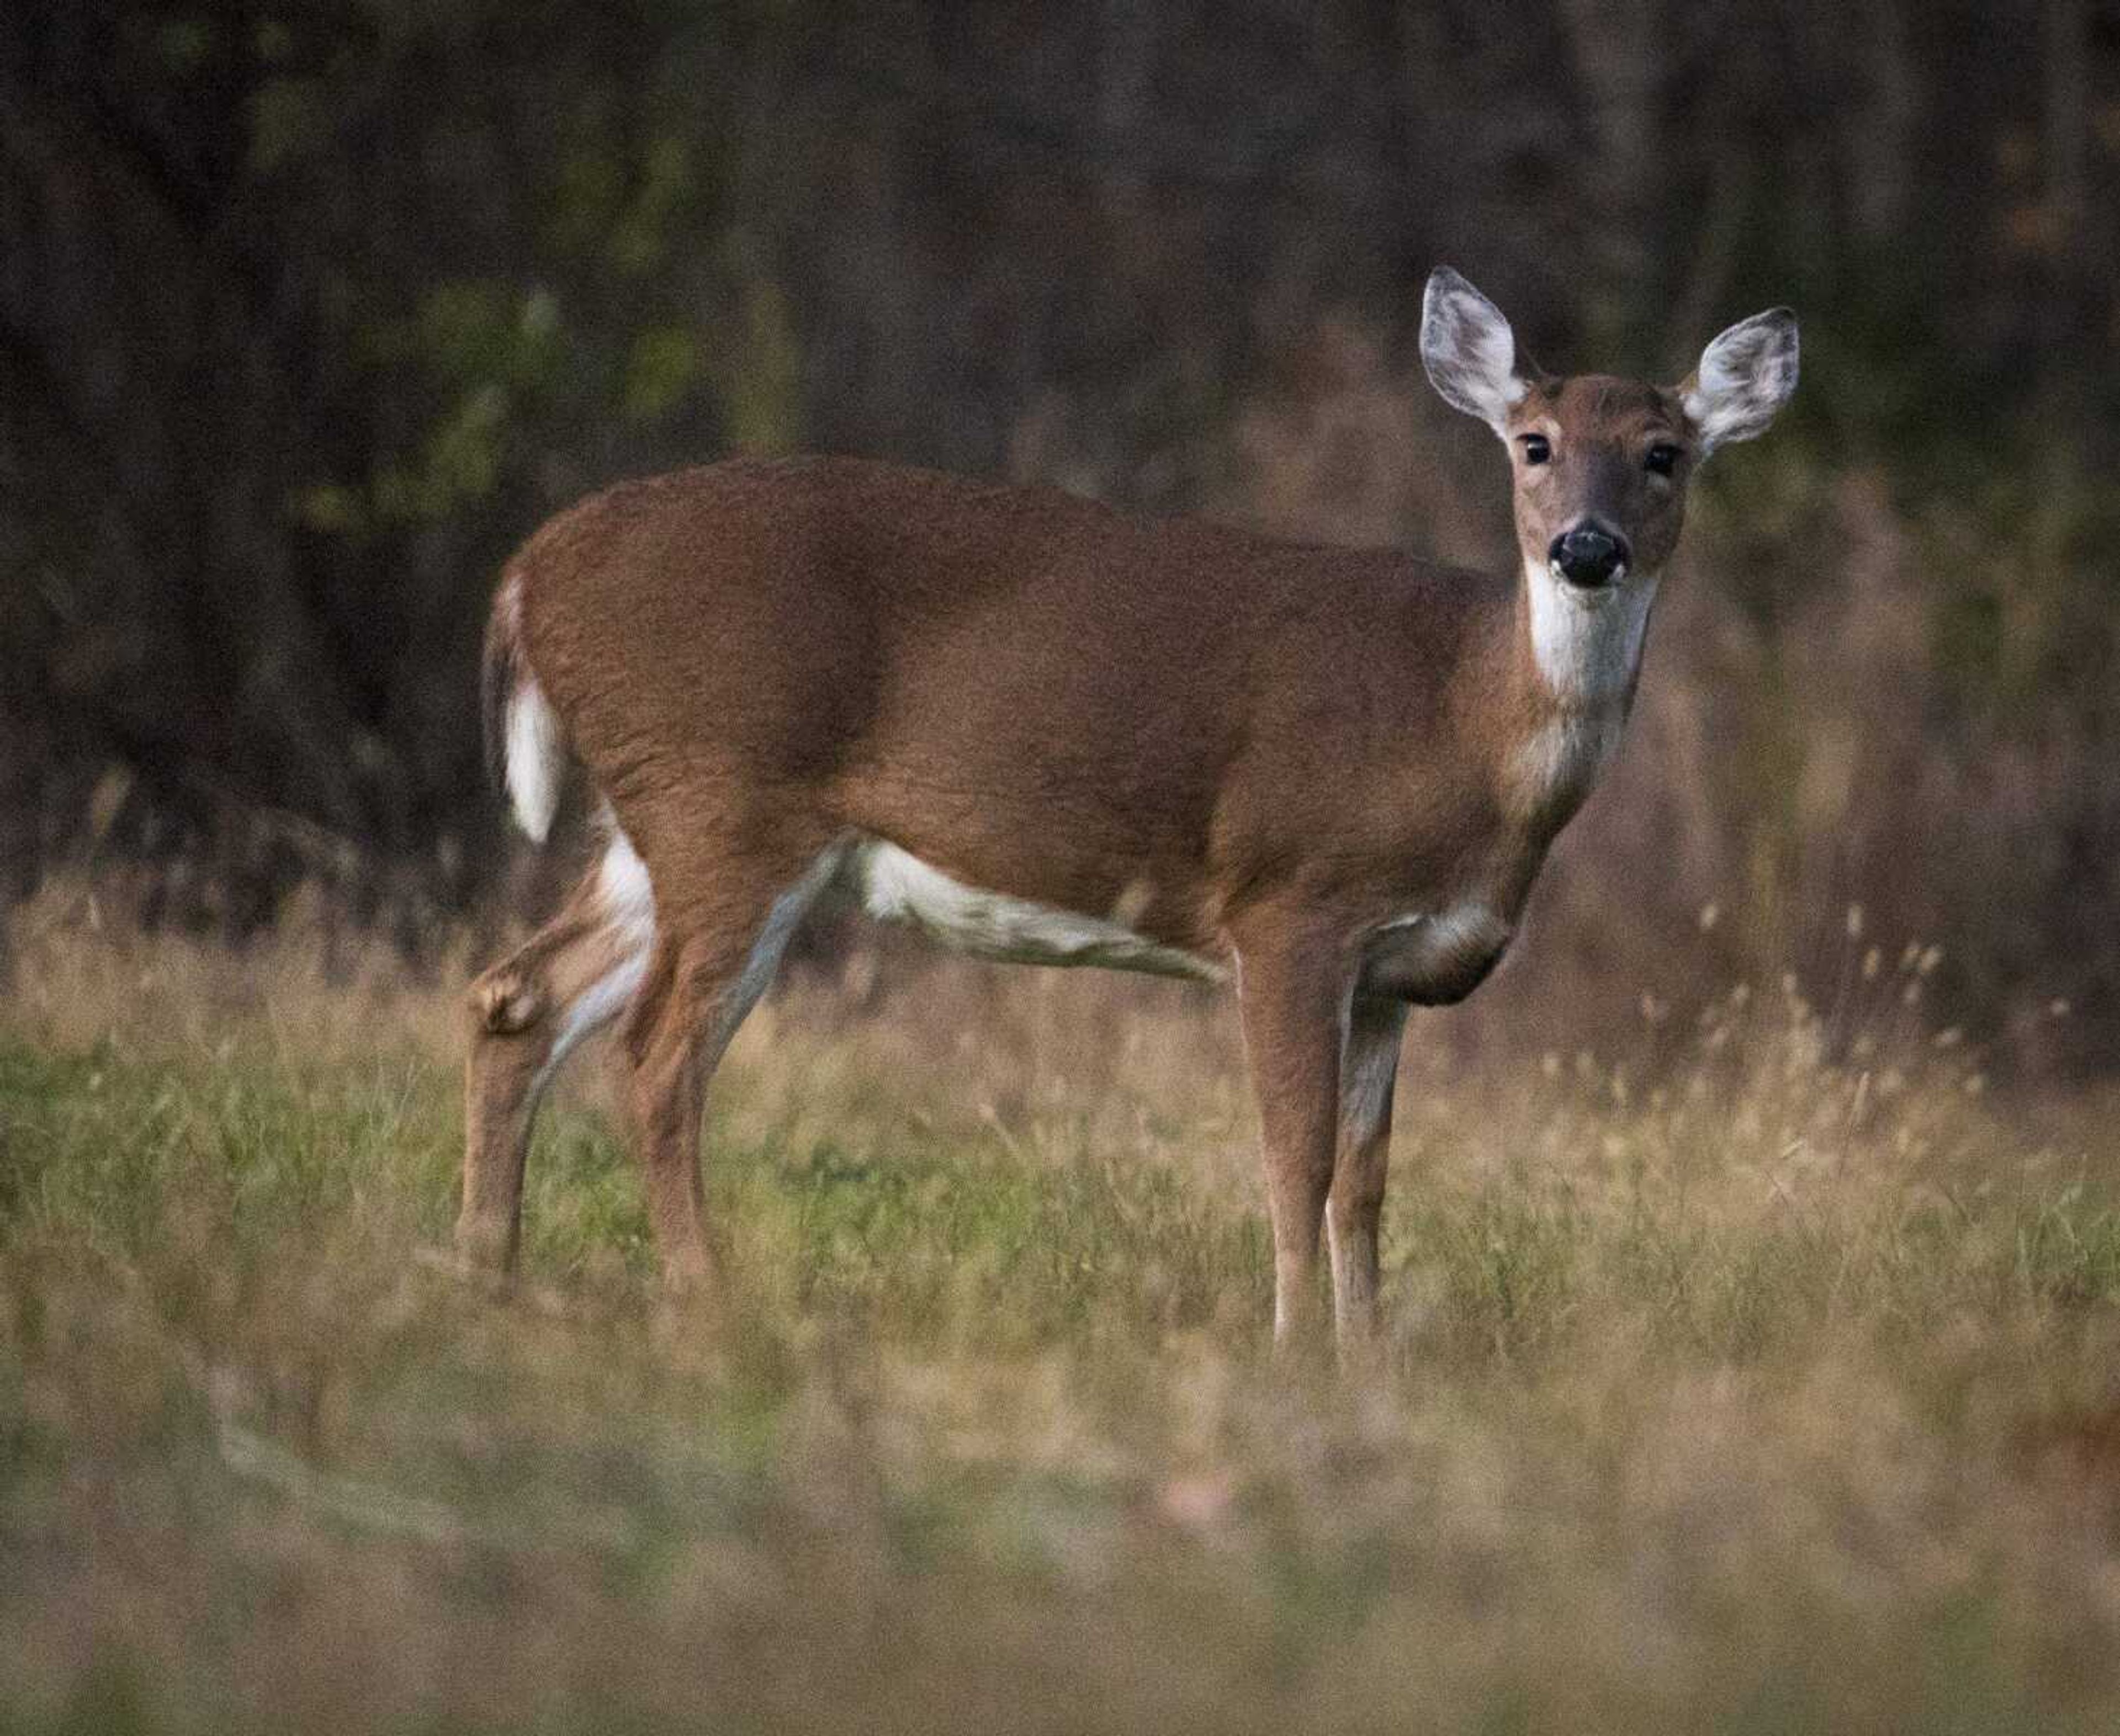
(1292, 998)
(1368, 1070)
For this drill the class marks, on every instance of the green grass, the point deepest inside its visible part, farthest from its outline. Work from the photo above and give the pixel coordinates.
(1784, 1397)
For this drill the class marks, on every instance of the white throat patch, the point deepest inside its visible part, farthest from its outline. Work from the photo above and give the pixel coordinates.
(1588, 644)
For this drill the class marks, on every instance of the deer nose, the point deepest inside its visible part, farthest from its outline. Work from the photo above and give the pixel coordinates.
(1589, 556)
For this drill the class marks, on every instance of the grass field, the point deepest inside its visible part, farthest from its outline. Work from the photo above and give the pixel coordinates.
(1780, 1394)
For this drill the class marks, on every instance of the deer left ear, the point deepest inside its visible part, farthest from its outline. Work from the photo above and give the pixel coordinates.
(1469, 351)
(1744, 378)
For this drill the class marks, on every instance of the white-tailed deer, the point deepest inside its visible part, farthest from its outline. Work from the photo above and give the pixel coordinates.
(1043, 730)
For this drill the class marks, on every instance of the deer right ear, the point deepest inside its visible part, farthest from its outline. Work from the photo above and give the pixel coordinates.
(1469, 351)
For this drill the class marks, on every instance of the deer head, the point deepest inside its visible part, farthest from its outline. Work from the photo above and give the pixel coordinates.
(1600, 464)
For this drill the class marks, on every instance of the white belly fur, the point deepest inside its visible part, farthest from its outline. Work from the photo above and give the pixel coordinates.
(894, 886)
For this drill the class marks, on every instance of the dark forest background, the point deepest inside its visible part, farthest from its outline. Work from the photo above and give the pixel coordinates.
(309, 312)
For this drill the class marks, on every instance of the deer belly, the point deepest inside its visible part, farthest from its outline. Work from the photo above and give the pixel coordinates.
(1435, 958)
(894, 886)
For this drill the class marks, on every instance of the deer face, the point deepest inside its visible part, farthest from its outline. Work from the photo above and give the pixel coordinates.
(1601, 465)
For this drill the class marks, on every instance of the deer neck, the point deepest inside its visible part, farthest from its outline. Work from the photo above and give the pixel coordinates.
(1578, 655)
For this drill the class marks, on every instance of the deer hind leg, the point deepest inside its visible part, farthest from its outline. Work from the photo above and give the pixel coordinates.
(528, 1014)
(710, 966)
(1368, 1069)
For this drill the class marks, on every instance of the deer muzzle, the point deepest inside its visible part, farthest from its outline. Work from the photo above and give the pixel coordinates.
(1589, 556)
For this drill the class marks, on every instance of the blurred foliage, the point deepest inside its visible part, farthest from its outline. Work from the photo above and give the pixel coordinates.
(309, 312)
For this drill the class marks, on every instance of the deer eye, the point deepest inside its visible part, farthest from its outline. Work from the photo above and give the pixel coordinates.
(1536, 449)
(1661, 460)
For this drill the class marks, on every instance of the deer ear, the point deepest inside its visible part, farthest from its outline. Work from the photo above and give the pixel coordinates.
(1744, 378)
(1469, 351)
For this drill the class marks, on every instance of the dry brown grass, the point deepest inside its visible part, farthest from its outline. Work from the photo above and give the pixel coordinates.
(1759, 1377)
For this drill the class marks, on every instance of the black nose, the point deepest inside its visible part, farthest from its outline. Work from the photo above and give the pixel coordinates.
(1587, 556)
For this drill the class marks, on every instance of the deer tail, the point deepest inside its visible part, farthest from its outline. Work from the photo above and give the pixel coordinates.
(526, 748)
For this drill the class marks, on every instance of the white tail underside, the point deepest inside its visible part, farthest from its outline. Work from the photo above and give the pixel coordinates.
(535, 758)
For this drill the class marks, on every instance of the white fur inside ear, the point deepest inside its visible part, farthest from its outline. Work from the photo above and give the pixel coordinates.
(1469, 350)
(1744, 377)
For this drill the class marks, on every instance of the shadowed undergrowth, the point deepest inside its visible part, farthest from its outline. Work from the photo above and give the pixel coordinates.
(1776, 1393)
